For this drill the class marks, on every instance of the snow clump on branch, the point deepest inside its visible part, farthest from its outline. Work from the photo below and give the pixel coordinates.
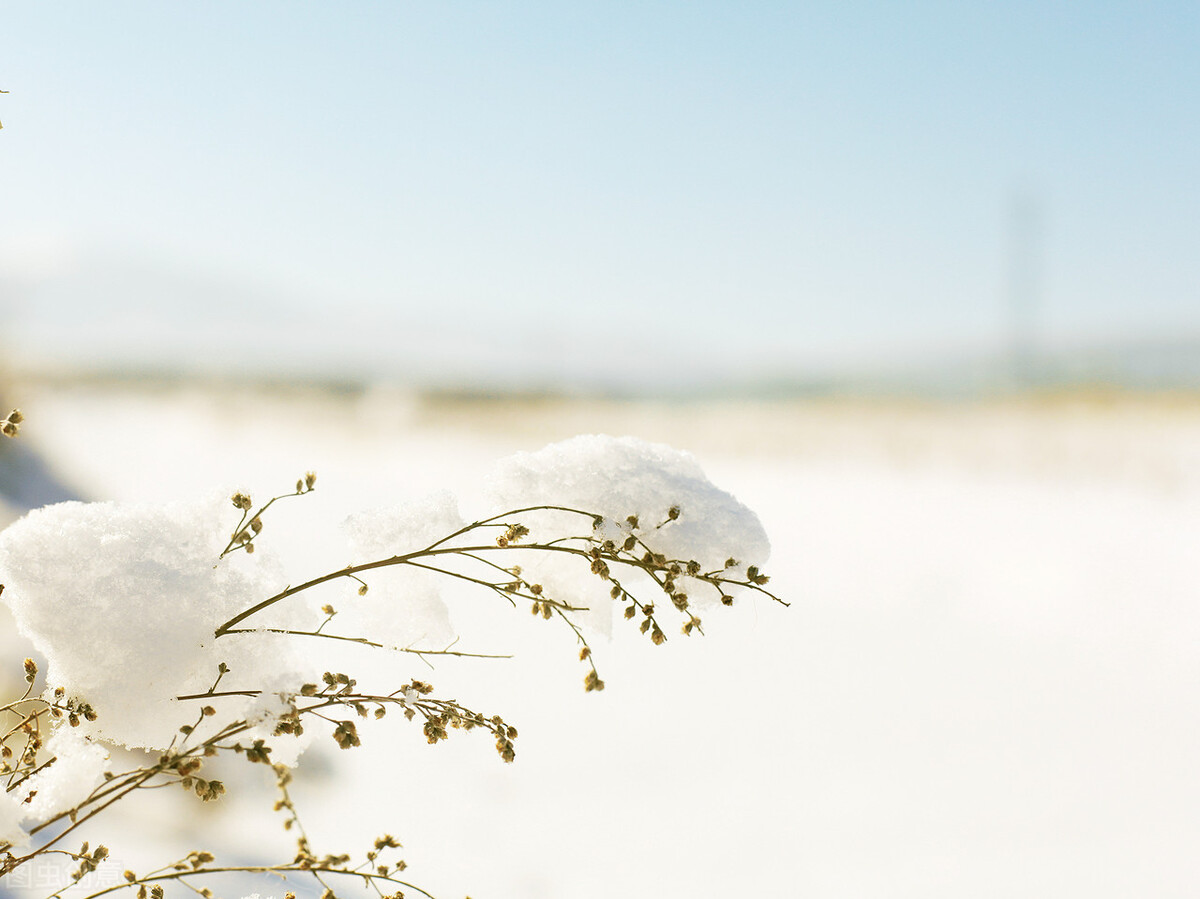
(648, 490)
(126, 601)
(122, 600)
(404, 606)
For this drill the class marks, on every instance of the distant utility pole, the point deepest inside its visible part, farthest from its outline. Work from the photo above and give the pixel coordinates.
(1023, 293)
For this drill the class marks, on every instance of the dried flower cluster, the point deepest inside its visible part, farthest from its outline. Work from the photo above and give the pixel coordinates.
(11, 426)
(251, 524)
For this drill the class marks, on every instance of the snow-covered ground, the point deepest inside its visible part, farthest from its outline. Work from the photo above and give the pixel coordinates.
(987, 684)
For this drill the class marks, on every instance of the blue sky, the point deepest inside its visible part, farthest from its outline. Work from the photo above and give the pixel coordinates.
(683, 190)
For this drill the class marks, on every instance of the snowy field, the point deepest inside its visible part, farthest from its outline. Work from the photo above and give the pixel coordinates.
(987, 683)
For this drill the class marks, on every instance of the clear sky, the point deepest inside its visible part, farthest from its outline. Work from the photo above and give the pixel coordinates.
(592, 189)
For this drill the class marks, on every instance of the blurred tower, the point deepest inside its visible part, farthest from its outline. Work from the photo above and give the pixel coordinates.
(1023, 287)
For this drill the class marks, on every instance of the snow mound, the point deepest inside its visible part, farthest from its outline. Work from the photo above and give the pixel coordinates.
(123, 600)
(680, 513)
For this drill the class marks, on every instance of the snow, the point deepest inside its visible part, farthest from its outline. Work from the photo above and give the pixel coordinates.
(121, 594)
(403, 606)
(78, 768)
(985, 685)
(11, 814)
(124, 599)
(617, 477)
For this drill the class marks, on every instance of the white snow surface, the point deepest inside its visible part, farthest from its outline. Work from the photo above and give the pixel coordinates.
(985, 686)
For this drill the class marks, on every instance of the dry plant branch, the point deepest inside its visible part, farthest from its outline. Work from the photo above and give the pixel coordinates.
(493, 554)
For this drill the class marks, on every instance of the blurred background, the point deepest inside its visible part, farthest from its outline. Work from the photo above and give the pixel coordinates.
(918, 282)
(603, 196)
